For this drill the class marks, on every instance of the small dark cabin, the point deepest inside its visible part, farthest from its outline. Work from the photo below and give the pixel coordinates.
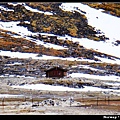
(56, 72)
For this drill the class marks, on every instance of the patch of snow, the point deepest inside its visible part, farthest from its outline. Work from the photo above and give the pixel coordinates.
(9, 96)
(110, 77)
(27, 22)
(28, 55)
(62, 88)
(100, 23)
(34, 56)
(18, 76)
(36, 10)
(100, 46)
(47, 45)
(16, 3)
(115, 61)
(91, 68)
(5, 9)
(108, 24)
(12, 26)
(113, 83)
(15, 63)
(24, 32)
(44, 57)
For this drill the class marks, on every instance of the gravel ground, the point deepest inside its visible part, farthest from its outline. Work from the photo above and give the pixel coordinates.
(23, 109)
(17, 107)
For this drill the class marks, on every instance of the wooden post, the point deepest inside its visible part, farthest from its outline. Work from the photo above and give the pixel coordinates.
(38, 103)
(3, 103)
(105, 100)
(25, 99)
(97, 101)
(108, 100)
(32, 101)
(82, 99)
(70, 102)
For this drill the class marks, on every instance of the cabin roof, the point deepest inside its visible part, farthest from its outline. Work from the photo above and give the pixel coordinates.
(57, 68)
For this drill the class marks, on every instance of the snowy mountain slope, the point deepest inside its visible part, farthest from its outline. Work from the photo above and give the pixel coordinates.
(109, 44)
(109, 25)
(105, 51)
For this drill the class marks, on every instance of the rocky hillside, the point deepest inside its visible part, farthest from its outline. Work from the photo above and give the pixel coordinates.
(51, 19)
(60, 23)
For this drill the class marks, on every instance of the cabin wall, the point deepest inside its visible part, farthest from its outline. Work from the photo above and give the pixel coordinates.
(55, 73)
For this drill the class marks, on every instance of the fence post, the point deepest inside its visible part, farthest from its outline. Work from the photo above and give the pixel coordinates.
(105, 100)
(97, 101)
(82, 98)
(108, 100)
(3, 102)
(32, 101)
(24, 99)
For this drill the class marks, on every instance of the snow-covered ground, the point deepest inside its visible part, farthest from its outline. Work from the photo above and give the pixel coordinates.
(111, 29)
(62, 88)
(29, 55)
(45, 57)
(24, 33)
(6, 9)
(30, 8)
(88, 67)
(113, 61)
(34, 56)
(9, 96)
(108, 24)
(113, 83)
(110, 77)
(12, 26)
(15, 63)
(36, 10)
(17, 76)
